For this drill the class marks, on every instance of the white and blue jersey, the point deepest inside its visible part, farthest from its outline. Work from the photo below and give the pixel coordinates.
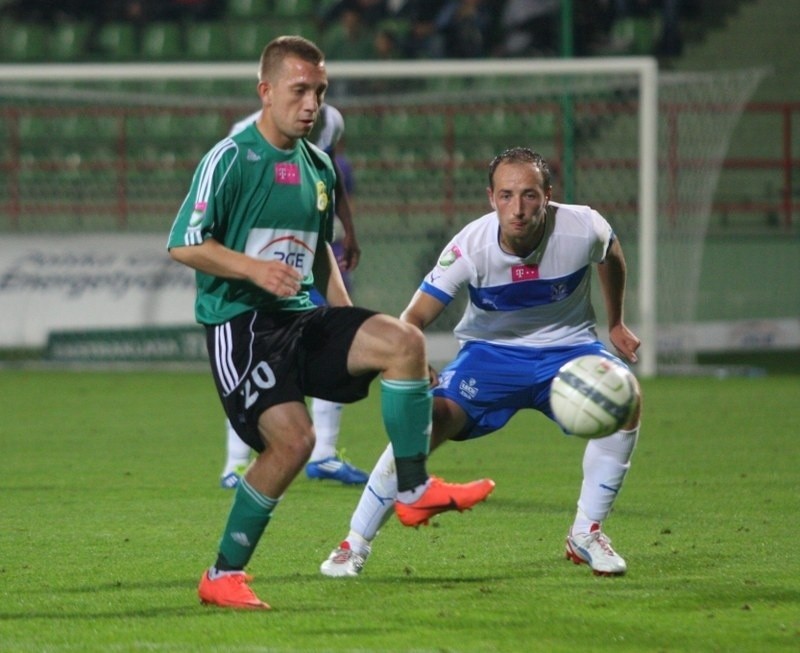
(525, 316)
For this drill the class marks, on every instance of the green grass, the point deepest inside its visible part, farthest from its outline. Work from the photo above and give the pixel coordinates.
(109, 512)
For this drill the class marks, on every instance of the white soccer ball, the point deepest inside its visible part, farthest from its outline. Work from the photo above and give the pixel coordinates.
(592, 396)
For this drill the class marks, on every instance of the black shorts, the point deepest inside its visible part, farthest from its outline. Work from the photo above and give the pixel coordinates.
(260, 360)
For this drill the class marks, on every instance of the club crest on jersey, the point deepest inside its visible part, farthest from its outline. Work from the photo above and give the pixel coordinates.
(322, 196)
(467, 388)
(287, 173)
(558, 292)
(449, 257)
(197, 215)
(524, 272)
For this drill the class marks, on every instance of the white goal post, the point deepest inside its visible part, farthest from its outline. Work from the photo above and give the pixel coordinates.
(419, 134)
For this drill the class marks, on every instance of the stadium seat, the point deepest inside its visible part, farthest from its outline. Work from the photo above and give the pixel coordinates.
(156, 126)
(248, 38)
(207, 41)
(207, 127)
(162, 41)
(249, 8)
(636, 34)
(118, 41)
(68, 40)
(23, 42)
(302, 26)
(294, 7)
(34, 130)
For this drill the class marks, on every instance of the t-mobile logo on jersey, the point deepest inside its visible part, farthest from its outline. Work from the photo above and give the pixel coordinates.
(287, 173)
(524, 272)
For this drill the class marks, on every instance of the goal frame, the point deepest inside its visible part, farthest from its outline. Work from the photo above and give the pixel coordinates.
(644, 68)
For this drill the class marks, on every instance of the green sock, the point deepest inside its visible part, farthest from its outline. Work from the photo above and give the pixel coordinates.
(406, 407)
(249, 516)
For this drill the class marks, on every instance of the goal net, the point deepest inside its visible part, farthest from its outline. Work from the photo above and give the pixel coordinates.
(96, 148)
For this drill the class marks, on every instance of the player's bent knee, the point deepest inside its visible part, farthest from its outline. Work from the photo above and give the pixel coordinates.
(407, 344)
(391, 346)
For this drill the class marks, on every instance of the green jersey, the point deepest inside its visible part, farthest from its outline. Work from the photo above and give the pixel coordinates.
(268, 203)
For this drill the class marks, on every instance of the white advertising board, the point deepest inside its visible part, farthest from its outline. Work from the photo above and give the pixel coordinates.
(57, 281)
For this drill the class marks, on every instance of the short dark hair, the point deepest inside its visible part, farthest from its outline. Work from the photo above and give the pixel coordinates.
(521, 155)
(284, 46)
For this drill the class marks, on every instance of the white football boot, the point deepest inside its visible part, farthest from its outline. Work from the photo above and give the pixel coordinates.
(594, 549)
(343, 562)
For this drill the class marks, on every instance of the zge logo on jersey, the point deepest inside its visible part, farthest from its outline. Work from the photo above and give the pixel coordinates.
(295, 248)
(289, 250)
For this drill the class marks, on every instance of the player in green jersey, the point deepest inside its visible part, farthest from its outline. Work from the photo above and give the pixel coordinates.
(256, 226)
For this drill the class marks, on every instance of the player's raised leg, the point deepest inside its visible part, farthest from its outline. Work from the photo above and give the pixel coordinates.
(398, 350)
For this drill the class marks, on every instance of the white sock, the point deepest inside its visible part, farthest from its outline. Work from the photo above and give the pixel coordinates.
(237, 451)
(214, 573)
(410, 496)
(327, 418)
(358, 544)
(605, 463)
(376, 503)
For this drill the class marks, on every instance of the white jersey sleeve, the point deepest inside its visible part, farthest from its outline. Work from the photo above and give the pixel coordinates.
(542, 300)
(244, 123)
(328, 129)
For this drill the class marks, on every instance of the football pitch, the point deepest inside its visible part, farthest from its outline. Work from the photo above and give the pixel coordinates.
(111, 510)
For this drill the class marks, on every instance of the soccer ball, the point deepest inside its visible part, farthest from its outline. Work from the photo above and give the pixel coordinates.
(593, 396)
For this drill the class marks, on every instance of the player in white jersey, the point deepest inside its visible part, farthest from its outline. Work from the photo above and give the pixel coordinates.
(325, 462)
(527, 267)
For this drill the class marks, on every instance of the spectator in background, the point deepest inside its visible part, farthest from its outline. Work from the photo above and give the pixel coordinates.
(530, 28)
(349, 38)
(464, 27)
(386, 44)
(670, 40)
(369, 11)
(592, 28)
(418, 39)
